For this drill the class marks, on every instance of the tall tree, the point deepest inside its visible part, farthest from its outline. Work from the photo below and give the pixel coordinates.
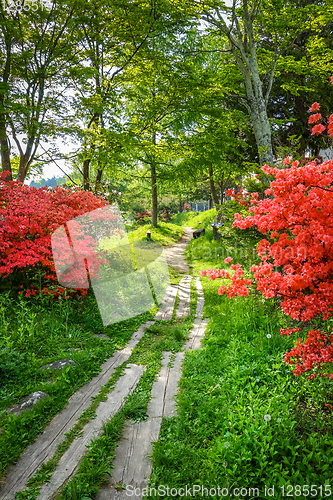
(258, 35)
(37, 51)
(155, 95)
(115, 39)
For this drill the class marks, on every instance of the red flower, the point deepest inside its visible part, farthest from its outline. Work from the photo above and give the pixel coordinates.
(318, 129)
(314, 118)
(30, 216)
(314, 107)
(298, 218)
(330, 129)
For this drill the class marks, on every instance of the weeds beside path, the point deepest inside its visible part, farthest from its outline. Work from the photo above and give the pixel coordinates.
(244, 420)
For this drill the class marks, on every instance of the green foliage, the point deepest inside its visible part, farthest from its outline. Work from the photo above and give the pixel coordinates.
(220, 435)
(195, 219)
(34, 333)
(96, 465)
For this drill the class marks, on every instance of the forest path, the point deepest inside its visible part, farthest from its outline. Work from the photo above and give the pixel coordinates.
(139, 436)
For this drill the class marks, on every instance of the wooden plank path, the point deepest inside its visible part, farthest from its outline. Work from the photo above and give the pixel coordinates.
(106, 410)
(165, 312)
(46, 444)
(132, 465)
(174, 254)
(200, 299)
(43, 449)
(184, 294)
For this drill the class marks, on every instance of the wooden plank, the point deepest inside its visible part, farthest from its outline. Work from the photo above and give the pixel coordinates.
(169, 409)
(156, 404)
(184, 294)
(196, 335)
(174, 254)
(200, 299)
(46, 444)
(132, 466)
(165, 312)
(106, 409)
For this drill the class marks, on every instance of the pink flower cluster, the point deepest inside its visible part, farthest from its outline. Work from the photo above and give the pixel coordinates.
(315, 352)
(319, 128)
(28, 217)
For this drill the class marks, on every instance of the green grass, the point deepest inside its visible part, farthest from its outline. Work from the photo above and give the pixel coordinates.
(244, 419)
(34, 333)
(165, 233)
(96, 466)
(205, 252)
(220, 436)
(195, 219)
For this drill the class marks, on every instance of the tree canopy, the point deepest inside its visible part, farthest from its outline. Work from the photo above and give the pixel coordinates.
(175, 94)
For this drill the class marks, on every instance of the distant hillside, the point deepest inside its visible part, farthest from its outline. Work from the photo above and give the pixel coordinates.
(53, 182)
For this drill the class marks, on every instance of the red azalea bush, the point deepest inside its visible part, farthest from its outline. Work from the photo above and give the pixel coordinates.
(28, 217)
(144, 218)
(297, 256)
(297, 264)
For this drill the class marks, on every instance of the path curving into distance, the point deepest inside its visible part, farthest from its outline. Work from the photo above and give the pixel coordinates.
(132, 465)
(174, 254)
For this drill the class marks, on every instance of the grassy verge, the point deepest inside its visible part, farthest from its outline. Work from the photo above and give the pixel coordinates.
(244, 420)
(195, 219)
(33, 334)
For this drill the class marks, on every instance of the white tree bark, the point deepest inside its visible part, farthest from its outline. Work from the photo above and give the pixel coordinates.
(243, 47)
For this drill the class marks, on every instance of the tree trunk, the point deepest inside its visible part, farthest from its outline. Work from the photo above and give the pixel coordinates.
(5, 156)
(5, 153)
(22, 168)
(154, 188)
(99, 175)
(219, 215)
(212, 186)
(262, 132)
(154, 195)
(243, 46)
(258, 110)
(86, 180)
